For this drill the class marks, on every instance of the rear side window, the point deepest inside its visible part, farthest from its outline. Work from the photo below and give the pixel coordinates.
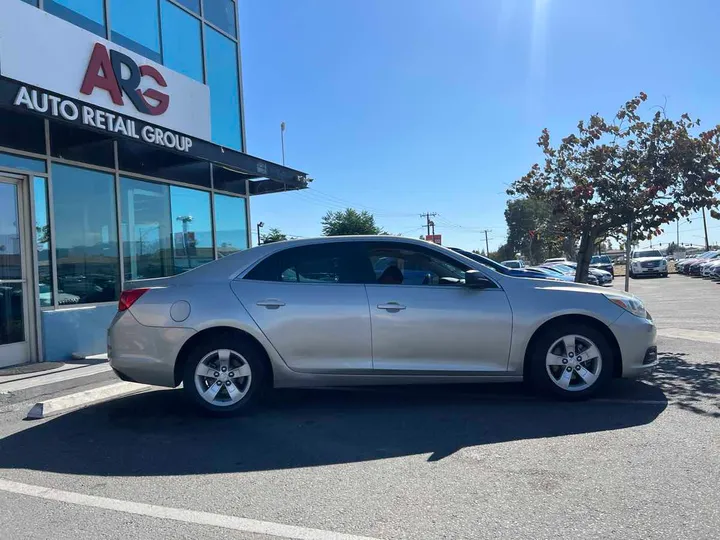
(334, 262)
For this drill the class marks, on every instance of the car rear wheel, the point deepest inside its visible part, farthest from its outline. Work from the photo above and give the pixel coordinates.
(224, 376)
(571, 361)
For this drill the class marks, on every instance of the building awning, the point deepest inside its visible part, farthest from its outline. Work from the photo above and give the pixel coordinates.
(149, 141)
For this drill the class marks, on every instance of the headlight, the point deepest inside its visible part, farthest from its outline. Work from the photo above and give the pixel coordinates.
(636, 264)
(633, 305)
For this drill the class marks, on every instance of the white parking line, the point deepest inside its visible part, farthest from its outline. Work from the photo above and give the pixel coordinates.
(177, 514)
(692, 335)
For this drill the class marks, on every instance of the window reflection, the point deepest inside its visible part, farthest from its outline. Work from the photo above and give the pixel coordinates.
(193, 5)
(222, 78)
(191, 226)
(146, 229)
(181, 41)
(86, 245)
(87, 14)
(221, 13)
(230, 224)
(135, 26)
(42, 241)
(22, 163)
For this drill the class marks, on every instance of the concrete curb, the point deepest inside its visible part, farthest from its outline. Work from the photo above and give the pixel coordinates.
(15, 391)
(50, 407)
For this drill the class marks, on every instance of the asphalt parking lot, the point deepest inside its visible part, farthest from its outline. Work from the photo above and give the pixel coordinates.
(442, 462)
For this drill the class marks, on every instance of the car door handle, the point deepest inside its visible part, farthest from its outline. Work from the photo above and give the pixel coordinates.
(270, 303)
(391, 306)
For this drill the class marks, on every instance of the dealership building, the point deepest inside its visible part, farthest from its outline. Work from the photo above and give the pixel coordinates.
(122, 157)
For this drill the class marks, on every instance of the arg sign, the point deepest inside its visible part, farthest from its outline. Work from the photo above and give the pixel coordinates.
(44, 52)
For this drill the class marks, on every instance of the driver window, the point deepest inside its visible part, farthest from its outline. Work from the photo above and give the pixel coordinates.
(403, 266)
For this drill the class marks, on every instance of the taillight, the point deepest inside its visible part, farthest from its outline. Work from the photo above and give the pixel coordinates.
(128, 298)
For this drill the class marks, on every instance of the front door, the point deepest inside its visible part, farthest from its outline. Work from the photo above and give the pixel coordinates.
(425, 320)
(15, 334)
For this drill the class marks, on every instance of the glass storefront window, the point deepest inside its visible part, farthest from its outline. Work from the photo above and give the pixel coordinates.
(230, 224)
(192, 228)
(221, 13)
(22, 163)
(222, 78)
(31, 2)
(86, 245)
(87, 14)
(146, 229)
(135, 25)
(181, 41)
(42, 240)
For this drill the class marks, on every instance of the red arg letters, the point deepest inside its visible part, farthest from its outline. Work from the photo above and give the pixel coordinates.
(104, 71)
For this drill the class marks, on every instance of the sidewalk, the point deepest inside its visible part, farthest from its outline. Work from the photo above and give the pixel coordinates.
(22, 383)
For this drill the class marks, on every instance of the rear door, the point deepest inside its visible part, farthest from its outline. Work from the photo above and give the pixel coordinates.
(311, 304)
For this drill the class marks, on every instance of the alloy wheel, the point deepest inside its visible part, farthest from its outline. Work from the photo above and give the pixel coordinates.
(223, 377)
(573, 363)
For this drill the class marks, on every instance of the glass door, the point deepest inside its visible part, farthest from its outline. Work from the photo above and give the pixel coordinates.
(14, 321)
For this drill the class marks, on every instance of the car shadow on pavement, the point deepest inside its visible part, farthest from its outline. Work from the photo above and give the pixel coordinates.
(159, 433)
(692, 386)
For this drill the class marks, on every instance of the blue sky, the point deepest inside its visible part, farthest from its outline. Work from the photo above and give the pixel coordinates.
(407, 106)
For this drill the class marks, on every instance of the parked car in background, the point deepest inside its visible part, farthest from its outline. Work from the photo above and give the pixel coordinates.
(707, 269)
(515, 263)
(603, 277)
(526, 272)
(570, 271)
(551, 273)
(683, 265)
(648, 262)
(313, 313)
(556, 260)
(602, 262)
(697, 268)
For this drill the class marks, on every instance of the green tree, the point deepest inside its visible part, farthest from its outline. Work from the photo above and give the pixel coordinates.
(630, 170)
(672, 248)
(273, 235)
(349, 222)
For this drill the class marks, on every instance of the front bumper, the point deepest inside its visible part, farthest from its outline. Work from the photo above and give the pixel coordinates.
(650, 271)
(636, 337)
(144, 354)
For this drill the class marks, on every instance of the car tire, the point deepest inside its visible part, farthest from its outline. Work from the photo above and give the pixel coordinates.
(632, 275)
(548, 370)
(665, 275)
(245, 369)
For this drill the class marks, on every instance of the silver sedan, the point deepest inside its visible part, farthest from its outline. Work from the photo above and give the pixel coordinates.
(371, 310)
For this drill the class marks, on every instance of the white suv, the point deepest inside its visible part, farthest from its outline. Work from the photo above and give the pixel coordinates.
(648, 262)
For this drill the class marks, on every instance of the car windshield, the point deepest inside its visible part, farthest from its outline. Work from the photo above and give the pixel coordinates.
(600, 259)
(564, 268)
(512, 264)
(647, 253)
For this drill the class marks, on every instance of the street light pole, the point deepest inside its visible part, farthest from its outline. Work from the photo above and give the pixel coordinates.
(628, 245)
(259, 226)
(282, 141)
(707, 242)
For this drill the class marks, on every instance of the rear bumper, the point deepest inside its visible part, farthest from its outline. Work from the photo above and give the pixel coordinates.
(637, 338)
(144, 354)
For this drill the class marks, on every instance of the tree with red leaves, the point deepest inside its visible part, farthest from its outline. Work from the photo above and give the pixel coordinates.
(607, 175)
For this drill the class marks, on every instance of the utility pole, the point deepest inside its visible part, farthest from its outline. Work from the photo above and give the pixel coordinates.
(487, 247)
(259, 226)
(427, 216)
(678, 232)
(282, 141)
(707, 242)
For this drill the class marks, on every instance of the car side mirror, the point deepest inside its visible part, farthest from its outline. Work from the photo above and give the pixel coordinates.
(476, 280)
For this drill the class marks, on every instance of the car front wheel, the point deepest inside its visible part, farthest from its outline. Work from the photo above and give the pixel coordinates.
(224, 376)
(571, 362)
